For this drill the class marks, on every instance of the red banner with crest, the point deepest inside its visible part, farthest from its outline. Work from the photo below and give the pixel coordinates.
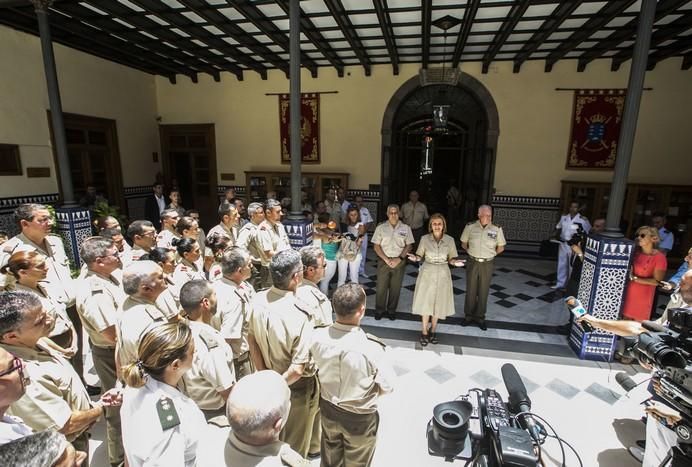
(596, 123)
(309, 128)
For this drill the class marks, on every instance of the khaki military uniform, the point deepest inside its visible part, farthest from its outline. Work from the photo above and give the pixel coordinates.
(135, 318)
(185, 272)
(482, 249)
(434, 295)
(414, 215)
(161, 426)
(165, 239)
(248, 238)
(353, 372)
(221, 229)
(283, 333)
(314, 302)
(232, 320)
(393, 241)
(63, 332)
(168, 302)
(134, 254)
(215, 272)
(54, 393)
(98, 300)
(212, 370)
(276, 454)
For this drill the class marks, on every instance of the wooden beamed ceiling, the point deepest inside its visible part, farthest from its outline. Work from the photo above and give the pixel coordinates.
(189, 37)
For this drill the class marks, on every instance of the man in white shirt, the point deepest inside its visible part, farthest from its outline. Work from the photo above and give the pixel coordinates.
(568, 225)
(666, 236)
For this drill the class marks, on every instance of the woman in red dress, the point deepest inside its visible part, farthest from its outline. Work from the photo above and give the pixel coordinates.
(648, 269)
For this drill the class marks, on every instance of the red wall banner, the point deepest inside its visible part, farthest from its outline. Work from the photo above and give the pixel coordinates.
(309, 128)
(596, 123)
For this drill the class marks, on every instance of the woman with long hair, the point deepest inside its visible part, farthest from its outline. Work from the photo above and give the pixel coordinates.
(349, 256)
(25, 272)
(433, 297)
(160, 425)
(648, 269)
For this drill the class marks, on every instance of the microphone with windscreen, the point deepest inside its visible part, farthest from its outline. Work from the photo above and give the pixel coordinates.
(625, 381)
(519, 399)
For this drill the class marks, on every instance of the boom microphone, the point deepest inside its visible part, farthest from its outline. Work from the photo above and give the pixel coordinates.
(518, 398)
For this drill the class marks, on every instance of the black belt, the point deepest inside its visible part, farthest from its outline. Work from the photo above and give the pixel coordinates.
(303, 382)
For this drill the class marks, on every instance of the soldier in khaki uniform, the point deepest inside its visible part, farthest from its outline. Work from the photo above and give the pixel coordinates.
(56, 399)
(414, 213)
(234, 305)
(353, 373)
(392, 241)
(482, 240)
(309, 295)
(279, 339)
(227, 226)
(248, 238)
(169, 219)
(143, 282)
(99, 295)
(36, 223)
(143, 237)
(212, 376)
(272, 237)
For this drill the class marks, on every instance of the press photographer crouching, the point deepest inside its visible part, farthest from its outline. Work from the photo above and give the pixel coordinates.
(665, 346)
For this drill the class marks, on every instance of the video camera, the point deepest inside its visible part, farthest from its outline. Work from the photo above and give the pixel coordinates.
(669, 351)
(579, 237)
(479, 427)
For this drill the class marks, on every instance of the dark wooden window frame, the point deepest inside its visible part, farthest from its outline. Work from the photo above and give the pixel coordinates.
(11, 163)
(117, 198)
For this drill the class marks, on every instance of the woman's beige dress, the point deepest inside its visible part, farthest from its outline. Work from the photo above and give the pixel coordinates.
(433, 295)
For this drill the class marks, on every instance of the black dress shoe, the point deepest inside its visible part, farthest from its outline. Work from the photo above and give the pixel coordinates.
(378, 316)
(391, 315)
(482, 325)
(466, 322)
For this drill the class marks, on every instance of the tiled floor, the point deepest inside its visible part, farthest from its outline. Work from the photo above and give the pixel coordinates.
(580, 399)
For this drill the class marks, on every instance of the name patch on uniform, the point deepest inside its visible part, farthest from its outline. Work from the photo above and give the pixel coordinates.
(492, 234)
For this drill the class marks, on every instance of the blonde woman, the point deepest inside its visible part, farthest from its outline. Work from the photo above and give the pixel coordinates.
(26, 271)
(433, 297)
(160, 425)
(648, 270)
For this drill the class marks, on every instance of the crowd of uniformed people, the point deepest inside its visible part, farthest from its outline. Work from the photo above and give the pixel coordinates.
(188, 332)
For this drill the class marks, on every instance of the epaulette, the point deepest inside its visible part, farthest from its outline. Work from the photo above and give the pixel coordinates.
(241, 296)
(208, 339)
(10, 245)
(322, 325)
(376, 340)
(471, 223)
(96, 291)
(168, 416)
(291, 458)
(305, 312)
(183, 268)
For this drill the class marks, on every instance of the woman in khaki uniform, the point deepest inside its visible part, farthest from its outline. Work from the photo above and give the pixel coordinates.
(433, 296)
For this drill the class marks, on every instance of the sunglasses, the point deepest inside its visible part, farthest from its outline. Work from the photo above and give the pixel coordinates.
(643, 235)
(17, 365)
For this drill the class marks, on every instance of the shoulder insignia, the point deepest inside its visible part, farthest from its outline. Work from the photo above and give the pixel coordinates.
(168, 416)
(376, 340)
(291, 458)
(10, 245)
(498, 226)
(471, 223)
(96, 291)
(321, 325)
(183, 268)
(240, 295)
(304, 310)
(208, 339)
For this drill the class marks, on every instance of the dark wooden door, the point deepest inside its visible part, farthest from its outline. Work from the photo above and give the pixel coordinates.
(189, 162)
(92, 147)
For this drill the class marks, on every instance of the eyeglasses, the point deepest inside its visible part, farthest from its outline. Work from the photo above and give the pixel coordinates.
(17, 365)
(151, 233)
(643, 235)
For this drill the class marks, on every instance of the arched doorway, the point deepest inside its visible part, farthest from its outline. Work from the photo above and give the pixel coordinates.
(463, 155)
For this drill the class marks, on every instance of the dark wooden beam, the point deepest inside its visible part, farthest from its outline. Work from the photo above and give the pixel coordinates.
(668, 51)
(193, 59)
(264, 24)
(686, 61)
(625, 33)
(308, 28)
(549, 26)
(196, 31)
(662, 34)
(466, 24)
(387, 32)
(604, 16)
(236, 32)
(425, 31)
(74, 34)
(508, 25)
(341, 17)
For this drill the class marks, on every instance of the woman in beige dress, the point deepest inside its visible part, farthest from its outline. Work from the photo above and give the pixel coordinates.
(433, 296)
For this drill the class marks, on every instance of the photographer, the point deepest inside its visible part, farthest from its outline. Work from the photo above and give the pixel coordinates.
(568, 225)
(660, 437)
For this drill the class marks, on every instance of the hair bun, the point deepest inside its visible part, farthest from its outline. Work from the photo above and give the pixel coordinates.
(176, 241)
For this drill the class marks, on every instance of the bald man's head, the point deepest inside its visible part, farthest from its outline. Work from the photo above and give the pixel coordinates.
(258, 407)
(686, 287)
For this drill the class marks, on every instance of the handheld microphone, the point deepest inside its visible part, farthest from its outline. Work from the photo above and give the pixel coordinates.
(518, 398)
(625, 381)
